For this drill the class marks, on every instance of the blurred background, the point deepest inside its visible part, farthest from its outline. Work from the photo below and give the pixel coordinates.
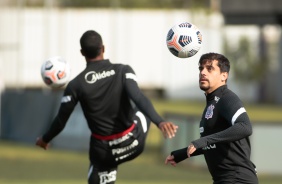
(134, 33)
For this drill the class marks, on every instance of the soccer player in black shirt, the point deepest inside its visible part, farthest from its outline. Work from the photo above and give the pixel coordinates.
(225, 128)
(117, 112)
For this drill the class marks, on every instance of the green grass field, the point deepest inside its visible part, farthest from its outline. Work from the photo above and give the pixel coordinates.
(28, 164)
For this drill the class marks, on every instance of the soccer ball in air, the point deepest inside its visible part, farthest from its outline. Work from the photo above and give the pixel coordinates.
(55, 72)
(184, 40)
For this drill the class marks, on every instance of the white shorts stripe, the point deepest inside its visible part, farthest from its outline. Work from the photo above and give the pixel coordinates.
(143, 120)
(131, 76)
(237, 114)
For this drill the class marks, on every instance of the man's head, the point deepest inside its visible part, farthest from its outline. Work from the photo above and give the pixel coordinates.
(214, 69)
(91, 44)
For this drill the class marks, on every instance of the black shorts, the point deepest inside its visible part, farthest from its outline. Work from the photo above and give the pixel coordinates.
(107, 153)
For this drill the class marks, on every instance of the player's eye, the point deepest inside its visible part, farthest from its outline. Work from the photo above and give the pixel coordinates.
(209, 68)
(201, 68)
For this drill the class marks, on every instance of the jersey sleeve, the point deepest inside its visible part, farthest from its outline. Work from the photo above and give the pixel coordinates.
(136, 95)
(231, 108)
(68, 103)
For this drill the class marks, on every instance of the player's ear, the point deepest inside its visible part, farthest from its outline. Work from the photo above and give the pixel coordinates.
(103, 49)
(224, 76)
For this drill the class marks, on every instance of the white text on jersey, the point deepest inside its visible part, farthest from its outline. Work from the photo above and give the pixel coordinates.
(92, 77)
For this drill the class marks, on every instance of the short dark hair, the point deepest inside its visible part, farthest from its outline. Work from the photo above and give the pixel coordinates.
(91, 44)
(223, 62)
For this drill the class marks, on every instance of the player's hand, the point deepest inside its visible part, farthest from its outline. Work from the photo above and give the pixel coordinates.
(41, 143)
(168, 129)
(170, 159)
(191, 149)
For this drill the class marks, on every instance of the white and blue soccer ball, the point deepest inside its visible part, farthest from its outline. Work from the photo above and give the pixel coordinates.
(55, 72)
(184, 40)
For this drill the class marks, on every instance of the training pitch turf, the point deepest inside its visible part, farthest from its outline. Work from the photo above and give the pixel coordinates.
(27, 164)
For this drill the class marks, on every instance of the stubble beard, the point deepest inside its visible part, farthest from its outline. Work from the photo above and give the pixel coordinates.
(204, 88)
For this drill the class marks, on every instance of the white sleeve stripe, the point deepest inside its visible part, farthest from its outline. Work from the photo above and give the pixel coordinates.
(131, 76)
(237, 114)
(66, 99)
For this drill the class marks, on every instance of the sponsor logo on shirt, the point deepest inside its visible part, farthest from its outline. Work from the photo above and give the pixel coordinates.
(92, 77)
(209, 112)
(212, 146)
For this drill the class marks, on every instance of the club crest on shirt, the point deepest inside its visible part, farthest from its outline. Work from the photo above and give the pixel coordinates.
(209, 112)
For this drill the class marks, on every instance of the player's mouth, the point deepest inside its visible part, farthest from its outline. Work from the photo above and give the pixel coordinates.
(203, 80)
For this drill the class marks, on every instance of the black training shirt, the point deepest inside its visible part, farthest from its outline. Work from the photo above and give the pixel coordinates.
(225, 129)
(105, 91)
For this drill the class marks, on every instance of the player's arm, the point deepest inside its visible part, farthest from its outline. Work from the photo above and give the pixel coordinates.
(68, 103)
(241, 129)
(180, 155)
(144, 104)
(240, 125)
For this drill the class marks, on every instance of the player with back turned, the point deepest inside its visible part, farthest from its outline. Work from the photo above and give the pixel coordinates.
(117, 112)
(224, 128)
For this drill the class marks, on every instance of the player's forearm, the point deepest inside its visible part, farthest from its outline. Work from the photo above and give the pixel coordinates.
(181, 154)
(236, 132)
(56, 127)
